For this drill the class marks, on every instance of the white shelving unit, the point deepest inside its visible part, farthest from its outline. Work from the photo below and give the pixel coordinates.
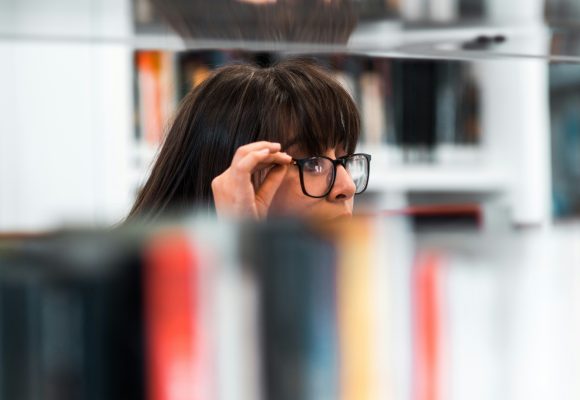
(90, 148)
(493, 170)
(439, 179)
(458, 169)
(65, 113)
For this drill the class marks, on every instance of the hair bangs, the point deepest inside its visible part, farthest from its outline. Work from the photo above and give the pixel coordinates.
(311, 111)
(326, 124)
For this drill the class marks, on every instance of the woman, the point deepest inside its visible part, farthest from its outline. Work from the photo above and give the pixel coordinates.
(251, 142)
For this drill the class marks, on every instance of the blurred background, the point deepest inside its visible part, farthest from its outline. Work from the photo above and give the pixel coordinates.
(463, 101)
(459, 279)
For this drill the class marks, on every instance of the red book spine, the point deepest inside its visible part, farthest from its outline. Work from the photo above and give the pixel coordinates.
(171, 315)
(426, 326)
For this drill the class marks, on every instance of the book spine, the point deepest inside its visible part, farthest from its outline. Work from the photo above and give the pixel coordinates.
(355, 315)
(173, 345)
(373, 108)
(426, 327)
(150, 102)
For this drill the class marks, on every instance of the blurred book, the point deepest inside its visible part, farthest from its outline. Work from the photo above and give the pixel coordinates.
(436, 217)
(198, 309)
(70, 319)
(372, 108)
(415, 104)
(156, 94)
(565, 135)
(562, 12)
(146, 19)
(427, 323)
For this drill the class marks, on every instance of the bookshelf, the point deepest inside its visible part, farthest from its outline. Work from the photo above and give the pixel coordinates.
(98, 46)
(482, 168)
(281, 310)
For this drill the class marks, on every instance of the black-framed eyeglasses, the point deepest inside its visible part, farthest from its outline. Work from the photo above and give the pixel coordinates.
(318, 174)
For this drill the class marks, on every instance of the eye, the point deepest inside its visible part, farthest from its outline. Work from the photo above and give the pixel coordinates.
(316, 166)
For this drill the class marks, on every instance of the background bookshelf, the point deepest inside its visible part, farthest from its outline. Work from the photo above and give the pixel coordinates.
(76, 72)
(426, 122)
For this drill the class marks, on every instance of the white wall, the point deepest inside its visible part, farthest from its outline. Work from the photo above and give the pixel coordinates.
(65, 109)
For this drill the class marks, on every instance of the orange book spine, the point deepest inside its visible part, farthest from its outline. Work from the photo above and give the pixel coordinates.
(150, 92)
(355, 314)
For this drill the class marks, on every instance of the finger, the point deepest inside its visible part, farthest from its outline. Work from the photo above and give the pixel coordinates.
(252, 161)
(270, 186)
(272, 161)
(242, 151)
(259, 160)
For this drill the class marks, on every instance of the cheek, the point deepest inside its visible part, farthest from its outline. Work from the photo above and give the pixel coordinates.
(289, 197)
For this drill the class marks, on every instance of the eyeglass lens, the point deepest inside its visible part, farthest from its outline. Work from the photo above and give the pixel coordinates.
(357, 167)
(318, 174)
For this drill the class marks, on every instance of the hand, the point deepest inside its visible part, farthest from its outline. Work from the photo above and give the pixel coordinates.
(233, 192)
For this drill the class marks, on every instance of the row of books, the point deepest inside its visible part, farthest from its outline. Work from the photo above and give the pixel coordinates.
(281, 311)
(195, 311)
(405, 103)
(70, 318)
(289, 310)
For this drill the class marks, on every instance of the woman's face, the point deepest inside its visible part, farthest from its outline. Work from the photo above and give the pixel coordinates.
(291, 200)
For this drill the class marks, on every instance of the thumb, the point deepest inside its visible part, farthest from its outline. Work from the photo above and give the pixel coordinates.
(268, 189)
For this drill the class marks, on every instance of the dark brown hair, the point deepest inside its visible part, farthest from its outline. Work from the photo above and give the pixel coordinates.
(294, 102)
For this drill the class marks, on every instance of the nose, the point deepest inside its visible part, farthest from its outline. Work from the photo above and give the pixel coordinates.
(344, 187)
